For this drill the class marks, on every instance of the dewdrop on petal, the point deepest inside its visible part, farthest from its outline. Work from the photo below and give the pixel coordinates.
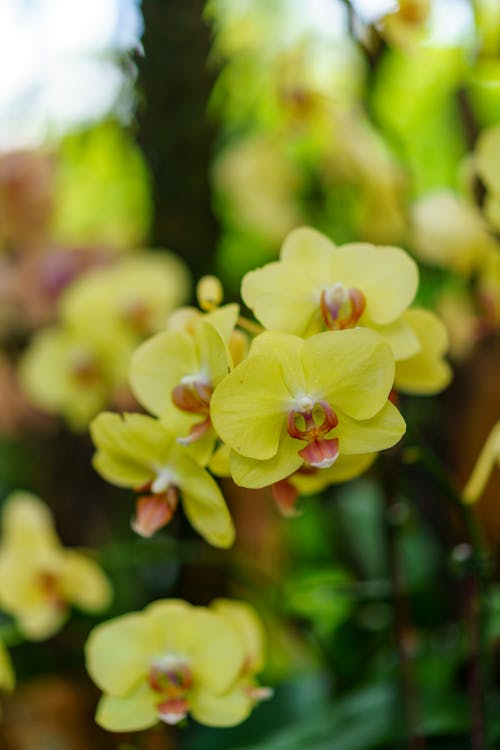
(209, 293)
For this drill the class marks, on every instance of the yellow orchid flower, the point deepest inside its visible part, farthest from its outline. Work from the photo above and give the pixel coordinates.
(140, 452)
(73, 373)
(39, 578)
(316, 286)
(138, 294)
(426, 372)
(167, 661)
(294, 401)
(173, 375)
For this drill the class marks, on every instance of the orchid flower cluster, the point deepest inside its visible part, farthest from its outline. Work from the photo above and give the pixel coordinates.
(301, 399)
(306, 402)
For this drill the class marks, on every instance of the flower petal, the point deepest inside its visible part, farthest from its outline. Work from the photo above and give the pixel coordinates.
(118, 652)
(203, 501)
(158, 365)
(400, 336)
(248, 407)
(84, 583)
(382, 431)
(245, 619)
(129, 447)
(353, 370)
(220, 710)
(128, 713)
(252, 473)
(426, 372)
(387, 276)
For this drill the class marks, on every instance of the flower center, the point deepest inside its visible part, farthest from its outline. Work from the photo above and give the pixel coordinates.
(340, 307)
(171, 679)
(193, 395)
(312, 422)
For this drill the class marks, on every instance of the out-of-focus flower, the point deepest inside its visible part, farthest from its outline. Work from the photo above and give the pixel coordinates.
(487, 163)
(172, 660)
(287, 404)
(31, 286)
(258, 185)
(39, 578)
(447, 231)
(316, 285)
(73, 373)
(138, 294)
(102, 189)
(456, 310)
(140, 452)
(426, 372)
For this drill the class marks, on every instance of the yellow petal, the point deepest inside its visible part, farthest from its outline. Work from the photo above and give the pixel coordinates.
(224, 319)
(130, 447)
(119, 652)
(158, 365)
(213, 354)
(352, 370)
(84, 583)
(288, 350)
(41, 622)
(305, 246)
(248, 407)
(203, 501)
(27, 523)
(284, 295)
(219, 463)
(220, 710)
(387, 276)
(128, 713)
(426, 372)
(382, 431)
(400, 336)
(252, 473)
(245, 619)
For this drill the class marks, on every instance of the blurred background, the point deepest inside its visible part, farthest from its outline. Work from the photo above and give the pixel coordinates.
(130, 132)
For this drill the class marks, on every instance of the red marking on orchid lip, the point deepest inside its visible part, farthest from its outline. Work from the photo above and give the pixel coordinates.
(343, 314)
(172, 711)
(285, 496)
(154, 511)
(311, 430)
(321, 453)
(193, 397)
